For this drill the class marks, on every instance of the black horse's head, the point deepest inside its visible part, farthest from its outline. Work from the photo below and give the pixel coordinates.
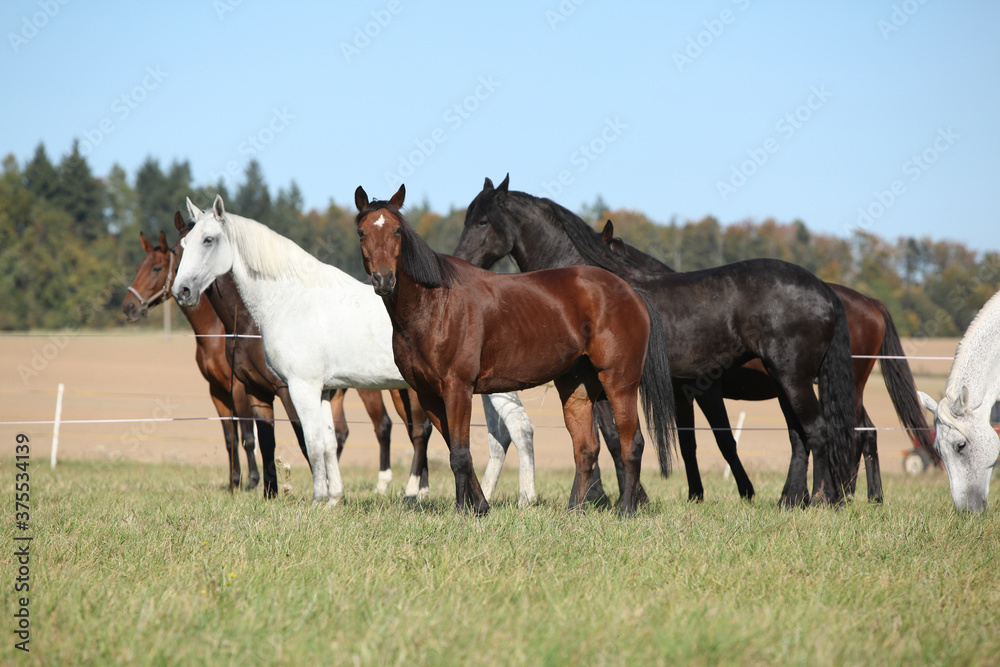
(488, 234)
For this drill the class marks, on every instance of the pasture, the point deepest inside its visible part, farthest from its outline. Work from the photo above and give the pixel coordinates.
(140, 557)
(155, 564)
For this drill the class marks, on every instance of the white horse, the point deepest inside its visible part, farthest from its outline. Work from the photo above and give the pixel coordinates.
(966, 442)
(322, 330)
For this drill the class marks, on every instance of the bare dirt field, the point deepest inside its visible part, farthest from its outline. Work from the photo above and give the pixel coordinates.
(142, 376)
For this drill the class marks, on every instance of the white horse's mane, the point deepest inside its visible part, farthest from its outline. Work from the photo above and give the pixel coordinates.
(268, 255)
(976, 353)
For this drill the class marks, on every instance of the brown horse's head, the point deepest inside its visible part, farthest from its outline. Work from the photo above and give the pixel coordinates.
(380, 228)
(153, 275)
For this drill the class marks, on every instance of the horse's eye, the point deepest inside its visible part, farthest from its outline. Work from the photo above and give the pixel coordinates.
(483, 221)
(399, 231)
(209, 240)
(157, 269)
(361, 234)
(960, 446)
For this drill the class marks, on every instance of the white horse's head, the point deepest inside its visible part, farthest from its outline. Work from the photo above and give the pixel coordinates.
(208, 253)
(968, 446)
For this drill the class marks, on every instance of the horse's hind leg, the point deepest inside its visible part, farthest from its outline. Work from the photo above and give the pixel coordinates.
(714, 409)
(340, 428)
(224, 406)
(382, 423)
(688, 444)
(578, 413)
(498, 439)
(419, 429)
(606, 424)
(869, 448)
(507, 422)
(263, 414)
(331, 452)
(241, 404)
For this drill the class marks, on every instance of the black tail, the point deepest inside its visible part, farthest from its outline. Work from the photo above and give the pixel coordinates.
(902, 390)
(657, 389)
(836, 398)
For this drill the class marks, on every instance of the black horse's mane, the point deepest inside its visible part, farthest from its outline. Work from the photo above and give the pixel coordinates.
(585, 240)
(420, 262)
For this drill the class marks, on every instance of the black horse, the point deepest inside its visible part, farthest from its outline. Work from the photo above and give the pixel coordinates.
(873, 335)
(716, 321)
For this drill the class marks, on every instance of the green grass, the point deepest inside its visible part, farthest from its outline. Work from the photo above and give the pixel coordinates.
(142, 564)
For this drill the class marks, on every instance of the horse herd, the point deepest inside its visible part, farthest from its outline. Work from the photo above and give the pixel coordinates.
(604, 322)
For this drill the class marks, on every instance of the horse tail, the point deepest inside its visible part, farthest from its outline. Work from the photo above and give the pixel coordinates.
(902, 390)
(836, 397)
(656, 387)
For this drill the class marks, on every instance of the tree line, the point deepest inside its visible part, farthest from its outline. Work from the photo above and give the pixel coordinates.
(69, 242)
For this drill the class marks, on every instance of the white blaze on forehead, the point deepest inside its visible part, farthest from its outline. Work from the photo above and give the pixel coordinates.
(380, 221)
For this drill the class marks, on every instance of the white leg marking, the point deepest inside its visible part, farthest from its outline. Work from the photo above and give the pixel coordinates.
(384, 479)
(412, 486)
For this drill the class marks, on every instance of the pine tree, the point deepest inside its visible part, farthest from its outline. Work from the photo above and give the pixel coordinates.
(252, 198)
(40, 176)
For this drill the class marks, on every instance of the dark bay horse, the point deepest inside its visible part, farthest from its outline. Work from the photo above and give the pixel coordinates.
(873, 334)
(242, 359)
(460, 330)
(716, 321)
(150, 288)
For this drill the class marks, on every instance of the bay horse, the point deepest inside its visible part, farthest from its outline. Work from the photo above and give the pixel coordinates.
(320, 330)
(459, 330)
(150, 288)
(965, 439)
(873, 334)
(716, 320)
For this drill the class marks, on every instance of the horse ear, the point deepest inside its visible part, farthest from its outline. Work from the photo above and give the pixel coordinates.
(488, 185)
(193, 210)
(219, 208)
(397, 199)
(360, 198)
(146, 245)
(962, 403)
(928, 402)
(178, 221)
(504, 183)
(608, 234)
(163, 242)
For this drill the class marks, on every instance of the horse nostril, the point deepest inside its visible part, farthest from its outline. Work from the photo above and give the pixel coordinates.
(185, 293)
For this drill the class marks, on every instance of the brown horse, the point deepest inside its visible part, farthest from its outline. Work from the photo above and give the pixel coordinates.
(150, 288)
(873, 334)
(241, 359)
(460, 330)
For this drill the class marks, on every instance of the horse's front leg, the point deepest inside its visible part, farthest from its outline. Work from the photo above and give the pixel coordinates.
(309, 407)
(457, 399)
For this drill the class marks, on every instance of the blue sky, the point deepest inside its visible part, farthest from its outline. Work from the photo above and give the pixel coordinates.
(882, 114)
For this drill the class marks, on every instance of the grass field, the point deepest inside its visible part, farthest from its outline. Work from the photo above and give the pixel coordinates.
(155, 564)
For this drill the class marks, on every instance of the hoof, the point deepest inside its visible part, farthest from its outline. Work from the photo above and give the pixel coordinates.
(525, 500)
(791, 502)
(423, 494)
